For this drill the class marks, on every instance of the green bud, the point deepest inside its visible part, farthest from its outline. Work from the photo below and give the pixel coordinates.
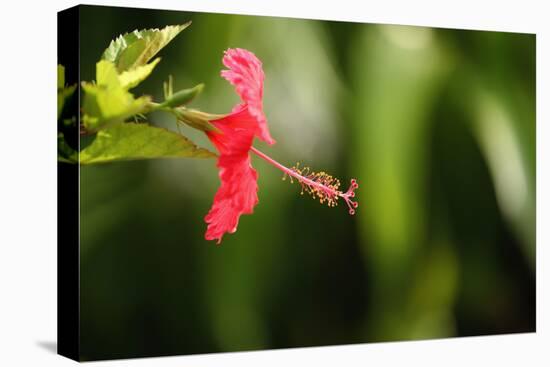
(196, 119)
(182, 97)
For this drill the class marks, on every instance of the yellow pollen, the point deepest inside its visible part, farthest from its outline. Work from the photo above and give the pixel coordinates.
(325, 188)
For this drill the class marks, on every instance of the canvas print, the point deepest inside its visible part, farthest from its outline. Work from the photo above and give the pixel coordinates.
(233, 183)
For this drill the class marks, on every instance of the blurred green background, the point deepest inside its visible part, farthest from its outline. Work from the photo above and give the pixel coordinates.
(437, 125)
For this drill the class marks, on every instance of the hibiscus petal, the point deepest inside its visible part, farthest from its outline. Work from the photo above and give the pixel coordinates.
(237, 193)
(246, 74)
(236, 131)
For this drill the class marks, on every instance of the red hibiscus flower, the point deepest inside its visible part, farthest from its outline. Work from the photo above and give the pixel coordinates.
(237, 193)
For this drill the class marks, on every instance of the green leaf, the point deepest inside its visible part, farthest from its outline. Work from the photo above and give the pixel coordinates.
(131, 78)
(62, 96)
(104, 107)
(108, 102)
(131, 141)
(62, 92)
(135, 49)
(69, 121)
(107, 75)
(64, 152)
(60, 76)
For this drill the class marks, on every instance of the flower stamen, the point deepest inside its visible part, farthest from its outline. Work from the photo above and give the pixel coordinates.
(320, 185)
